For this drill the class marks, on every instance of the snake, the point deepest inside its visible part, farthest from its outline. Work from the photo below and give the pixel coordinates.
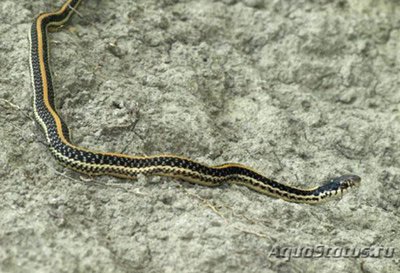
(94, 163)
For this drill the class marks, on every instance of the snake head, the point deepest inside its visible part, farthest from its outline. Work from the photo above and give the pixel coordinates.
(337, 185)
(347, 181)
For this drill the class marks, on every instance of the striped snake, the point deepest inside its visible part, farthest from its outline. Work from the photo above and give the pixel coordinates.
(120, 165)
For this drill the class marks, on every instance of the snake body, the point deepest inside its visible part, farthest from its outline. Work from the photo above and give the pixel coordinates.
(120, 165)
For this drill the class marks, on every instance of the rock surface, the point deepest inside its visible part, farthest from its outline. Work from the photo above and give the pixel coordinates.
(299, 90)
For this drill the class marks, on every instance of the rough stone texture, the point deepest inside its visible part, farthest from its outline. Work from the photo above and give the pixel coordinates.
(300, 90)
